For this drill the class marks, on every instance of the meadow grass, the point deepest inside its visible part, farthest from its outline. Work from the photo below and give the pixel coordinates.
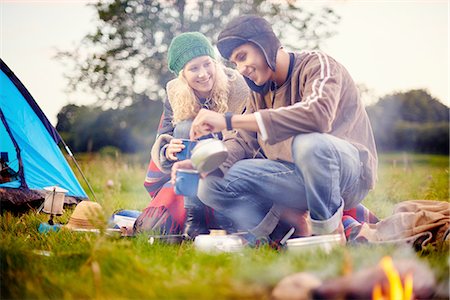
(68, 265)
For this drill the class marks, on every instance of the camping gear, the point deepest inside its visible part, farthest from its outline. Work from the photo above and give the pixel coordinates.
(29, 147)
(319, 242)
(124, 218)
(186, 182)
(208, 155)
(187, 151)
(54, 200)
(218, 241)
(87, 215)
(166, 238)
(45, 227)
(415, 222)
(53, 203)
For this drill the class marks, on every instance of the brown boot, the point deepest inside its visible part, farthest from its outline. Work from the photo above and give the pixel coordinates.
(195, 223)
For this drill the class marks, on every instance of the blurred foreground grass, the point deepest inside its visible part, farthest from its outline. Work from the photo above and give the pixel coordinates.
(67, 265)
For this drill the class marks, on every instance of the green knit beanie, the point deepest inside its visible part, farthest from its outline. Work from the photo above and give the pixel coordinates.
(185, 47)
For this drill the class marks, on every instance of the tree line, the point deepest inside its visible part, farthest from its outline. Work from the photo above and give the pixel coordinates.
(412, 121)
(408, 121)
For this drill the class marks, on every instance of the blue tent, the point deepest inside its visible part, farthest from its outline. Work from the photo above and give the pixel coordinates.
(30, 157)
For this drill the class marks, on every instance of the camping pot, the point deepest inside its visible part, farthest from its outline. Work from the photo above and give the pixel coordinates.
(218, 241)
(322, 242)
(208, 155)
(54, 200)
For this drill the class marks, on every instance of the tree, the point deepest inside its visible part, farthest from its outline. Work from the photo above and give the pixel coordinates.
(125, 58)
(412, 120)
(130, 129)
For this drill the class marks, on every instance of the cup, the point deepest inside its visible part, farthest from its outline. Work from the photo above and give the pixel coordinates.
(187, 151)
(186, 182)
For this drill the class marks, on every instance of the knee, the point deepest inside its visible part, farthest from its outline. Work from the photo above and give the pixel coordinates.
(207, 188)
(306, 148)
(213, 189)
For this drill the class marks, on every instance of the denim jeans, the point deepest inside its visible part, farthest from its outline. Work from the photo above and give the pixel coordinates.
(324, 179)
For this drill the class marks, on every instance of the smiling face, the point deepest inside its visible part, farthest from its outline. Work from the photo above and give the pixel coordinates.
(200, 74)
(250, 62)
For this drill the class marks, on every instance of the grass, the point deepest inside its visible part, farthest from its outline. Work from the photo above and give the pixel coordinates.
(67, 265)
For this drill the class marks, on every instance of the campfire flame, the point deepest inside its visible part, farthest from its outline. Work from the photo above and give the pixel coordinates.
(396, 289)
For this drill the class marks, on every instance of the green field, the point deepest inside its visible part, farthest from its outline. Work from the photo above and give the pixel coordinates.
(67, 265)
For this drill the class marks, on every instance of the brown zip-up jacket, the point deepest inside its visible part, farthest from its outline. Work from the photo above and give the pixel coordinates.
(319, 96)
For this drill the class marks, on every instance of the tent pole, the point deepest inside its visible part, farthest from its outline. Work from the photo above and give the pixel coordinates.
(79, 169)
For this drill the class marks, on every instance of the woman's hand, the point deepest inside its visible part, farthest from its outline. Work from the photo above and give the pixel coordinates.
(184, 164)
(175, 146)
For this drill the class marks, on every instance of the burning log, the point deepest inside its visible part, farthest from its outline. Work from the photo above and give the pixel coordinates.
(296, 287)
(402, 280)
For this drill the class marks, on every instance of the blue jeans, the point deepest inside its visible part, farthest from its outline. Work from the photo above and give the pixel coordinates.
(324, 179)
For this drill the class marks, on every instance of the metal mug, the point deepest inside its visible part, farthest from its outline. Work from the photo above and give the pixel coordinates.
(186, 182)
(187, 151)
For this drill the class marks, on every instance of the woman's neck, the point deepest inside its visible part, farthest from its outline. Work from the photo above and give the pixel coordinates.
(204, 95)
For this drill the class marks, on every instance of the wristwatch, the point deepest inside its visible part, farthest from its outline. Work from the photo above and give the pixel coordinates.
(228, 116)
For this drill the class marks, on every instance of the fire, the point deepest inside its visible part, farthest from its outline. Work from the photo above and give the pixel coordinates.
(396, 290)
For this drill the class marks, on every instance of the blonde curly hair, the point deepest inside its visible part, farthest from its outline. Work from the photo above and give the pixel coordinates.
(184, 102)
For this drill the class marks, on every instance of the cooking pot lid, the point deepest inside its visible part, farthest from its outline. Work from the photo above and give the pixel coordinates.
(212, 162)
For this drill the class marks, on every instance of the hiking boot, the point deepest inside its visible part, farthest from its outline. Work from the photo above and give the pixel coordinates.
(195, 223)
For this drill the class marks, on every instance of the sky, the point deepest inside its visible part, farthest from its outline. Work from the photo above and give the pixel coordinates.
(389, 46)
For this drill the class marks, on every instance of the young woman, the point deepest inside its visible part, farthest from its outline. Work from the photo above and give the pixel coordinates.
(201, 82)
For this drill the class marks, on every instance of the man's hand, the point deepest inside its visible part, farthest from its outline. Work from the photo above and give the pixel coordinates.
(184, 164)
(207, 121)
(175, 146)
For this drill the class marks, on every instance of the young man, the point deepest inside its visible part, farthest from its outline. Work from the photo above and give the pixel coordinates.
(306, 116)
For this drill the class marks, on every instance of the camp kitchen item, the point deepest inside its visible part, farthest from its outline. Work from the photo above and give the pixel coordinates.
(218, 241)
(123, 218)
(321, 242)
(54, 200)
(186, 182)
(208, 155)
(166, 238)
(187, 151)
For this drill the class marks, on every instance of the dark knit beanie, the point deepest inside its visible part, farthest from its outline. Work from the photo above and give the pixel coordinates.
(246, 29)
(185, 47)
